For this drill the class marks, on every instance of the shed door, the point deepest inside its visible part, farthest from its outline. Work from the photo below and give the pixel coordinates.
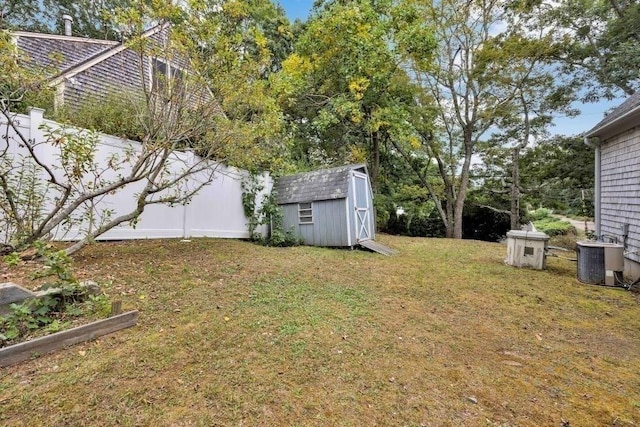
(361, 203)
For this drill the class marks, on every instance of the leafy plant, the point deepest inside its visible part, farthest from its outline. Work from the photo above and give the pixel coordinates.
(48, 313)
(12, 259)
(269, 213)
(554, 227)
(540, 213)
(112, 115)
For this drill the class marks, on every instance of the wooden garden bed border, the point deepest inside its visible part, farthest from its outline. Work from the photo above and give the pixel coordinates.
(26, 350)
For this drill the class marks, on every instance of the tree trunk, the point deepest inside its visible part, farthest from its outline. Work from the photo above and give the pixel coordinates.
(375, 162)
(464, 183)
(515, 190)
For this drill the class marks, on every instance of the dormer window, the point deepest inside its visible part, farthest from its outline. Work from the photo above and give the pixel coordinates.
(167, 79)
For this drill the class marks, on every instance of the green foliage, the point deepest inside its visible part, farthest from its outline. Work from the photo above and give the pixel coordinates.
(554, 227)
(251, 187)
(12, 259)
(49, 312)
(482, 223)
(269, 213)
(118, 114)
(90, 18)
(344, 90)
(558, 173)
(540, 214)
(56, 263)
(598, 45)
(22, 198)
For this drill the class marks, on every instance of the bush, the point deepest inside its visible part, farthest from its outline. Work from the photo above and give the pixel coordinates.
(481, 223)
(540, 213)
(117, 115)
(554, 227)
(397, 224)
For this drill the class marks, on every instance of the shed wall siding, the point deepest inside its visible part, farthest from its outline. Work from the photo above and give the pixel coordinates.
(329, 226)
(620, 189)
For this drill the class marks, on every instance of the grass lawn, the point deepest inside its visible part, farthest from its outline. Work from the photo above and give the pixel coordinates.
(444, 334)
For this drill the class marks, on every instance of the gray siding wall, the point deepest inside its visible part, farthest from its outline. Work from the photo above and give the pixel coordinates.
(620, 189)
(121, 74)
(329, 226)
(117, 74)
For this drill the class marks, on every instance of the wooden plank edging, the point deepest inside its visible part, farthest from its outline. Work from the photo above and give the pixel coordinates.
(25, 350)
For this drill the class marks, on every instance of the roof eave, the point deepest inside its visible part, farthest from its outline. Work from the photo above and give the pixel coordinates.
(78, 68)
(605, 130)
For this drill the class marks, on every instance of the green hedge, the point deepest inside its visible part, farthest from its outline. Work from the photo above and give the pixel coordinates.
(554, 227)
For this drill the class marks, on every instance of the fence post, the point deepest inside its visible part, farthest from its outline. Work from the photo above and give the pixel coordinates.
(35, 120)
(186, 218)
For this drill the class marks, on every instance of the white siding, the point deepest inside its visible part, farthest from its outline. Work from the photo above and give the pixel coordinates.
(620, 189)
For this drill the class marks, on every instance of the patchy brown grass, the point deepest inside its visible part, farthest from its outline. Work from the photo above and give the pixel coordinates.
(443, 334)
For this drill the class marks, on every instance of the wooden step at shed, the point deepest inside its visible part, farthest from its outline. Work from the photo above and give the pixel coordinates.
(377, 247)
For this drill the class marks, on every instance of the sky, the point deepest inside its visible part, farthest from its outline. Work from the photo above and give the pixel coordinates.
(296, 9)
(590, 115)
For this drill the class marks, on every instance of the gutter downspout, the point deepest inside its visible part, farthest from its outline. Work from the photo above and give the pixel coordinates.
(597, 186)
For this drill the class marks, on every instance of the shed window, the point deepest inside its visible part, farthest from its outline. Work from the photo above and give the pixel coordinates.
(305, 213)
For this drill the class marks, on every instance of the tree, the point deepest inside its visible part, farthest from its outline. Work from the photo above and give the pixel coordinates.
(178, 116)
(343, 87)
(490, 77)
(91, 18)
(560, 173)
(599, 43)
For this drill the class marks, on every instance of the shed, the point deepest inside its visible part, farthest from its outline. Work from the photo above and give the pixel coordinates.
(329, 207)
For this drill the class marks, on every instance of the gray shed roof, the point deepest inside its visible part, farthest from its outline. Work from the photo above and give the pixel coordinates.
(323, 184)
(622, 111)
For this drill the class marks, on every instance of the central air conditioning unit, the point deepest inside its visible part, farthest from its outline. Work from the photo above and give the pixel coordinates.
(600, 263)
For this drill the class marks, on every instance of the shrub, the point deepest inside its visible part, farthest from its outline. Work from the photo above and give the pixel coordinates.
(481, 223)
(540, 213)
(117, 115)
(397, 224)
(554, 227)
(53, 312)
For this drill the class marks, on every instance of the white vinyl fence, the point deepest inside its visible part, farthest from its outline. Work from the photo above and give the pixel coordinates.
(215, 211)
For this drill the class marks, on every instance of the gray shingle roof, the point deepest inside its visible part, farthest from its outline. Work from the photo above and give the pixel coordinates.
(630, 104)
(60, 52)
(323, 184)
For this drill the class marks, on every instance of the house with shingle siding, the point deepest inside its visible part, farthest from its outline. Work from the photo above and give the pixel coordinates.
(617, 180)
(82, 69)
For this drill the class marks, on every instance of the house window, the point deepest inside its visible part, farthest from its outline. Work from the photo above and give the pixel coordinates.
(167, 80)
(305, 213)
